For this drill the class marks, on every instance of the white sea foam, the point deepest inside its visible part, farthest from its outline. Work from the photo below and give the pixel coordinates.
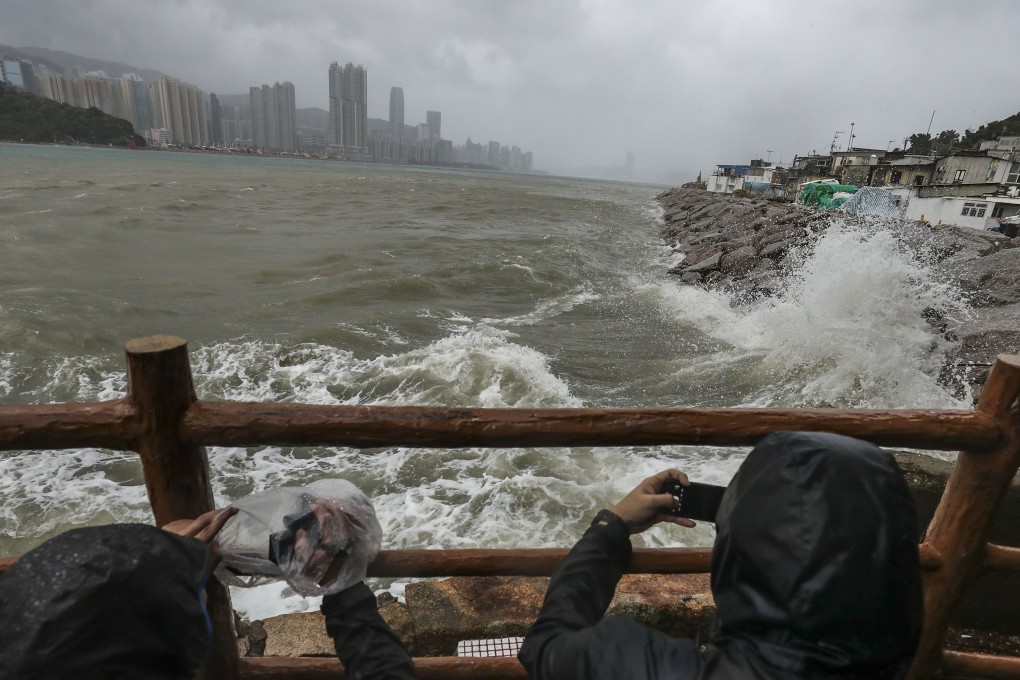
(849, 329)
(550, 308)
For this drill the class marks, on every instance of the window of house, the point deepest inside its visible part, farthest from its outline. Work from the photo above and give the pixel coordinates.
(960, 174)
(997, 210)
(1014, 174)
(919, 180)
(974, 209)
(940, 175)
(896, 177)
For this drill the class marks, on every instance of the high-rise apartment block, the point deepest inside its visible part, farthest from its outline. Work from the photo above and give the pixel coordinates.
(397, 113)
(20, 74)
(179, 108)
(348, 109)
(273, 114)
(434, 120)
(135, 101)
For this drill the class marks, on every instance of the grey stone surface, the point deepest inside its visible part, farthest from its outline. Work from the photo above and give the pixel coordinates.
(708, 264)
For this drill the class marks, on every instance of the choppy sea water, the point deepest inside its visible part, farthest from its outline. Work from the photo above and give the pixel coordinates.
(334, 283)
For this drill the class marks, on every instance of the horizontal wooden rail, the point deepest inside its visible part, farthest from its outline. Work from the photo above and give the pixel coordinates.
(105, 424)
(428, 668)
(533, 562)
(965, 665)
(115, 425)
(1002, 557)
(255, 424)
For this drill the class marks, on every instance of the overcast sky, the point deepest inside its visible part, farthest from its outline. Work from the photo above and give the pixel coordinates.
(683, 85)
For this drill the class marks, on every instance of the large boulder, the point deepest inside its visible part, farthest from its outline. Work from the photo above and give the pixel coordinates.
(989, 281)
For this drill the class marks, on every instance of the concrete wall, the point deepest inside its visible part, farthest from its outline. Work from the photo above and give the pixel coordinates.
(948, 210)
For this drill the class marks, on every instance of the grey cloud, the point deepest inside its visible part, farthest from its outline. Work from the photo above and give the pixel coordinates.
(582, 82)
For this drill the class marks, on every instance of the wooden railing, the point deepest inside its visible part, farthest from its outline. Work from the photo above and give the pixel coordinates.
(162, 420)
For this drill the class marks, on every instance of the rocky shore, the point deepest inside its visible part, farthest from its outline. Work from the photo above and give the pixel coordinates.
(750, 246)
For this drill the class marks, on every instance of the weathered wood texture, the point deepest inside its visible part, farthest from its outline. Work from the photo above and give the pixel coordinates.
(177, 472)
(106, 424)
(1002, 557)
(428, 668)
(254, 424)
(957, 531)
(961, 665)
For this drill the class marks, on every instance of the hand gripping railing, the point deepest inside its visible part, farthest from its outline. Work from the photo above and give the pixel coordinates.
(162, 420)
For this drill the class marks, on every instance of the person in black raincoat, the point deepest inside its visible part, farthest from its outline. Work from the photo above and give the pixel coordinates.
(126, 601)
(110, 602)
(815, 574)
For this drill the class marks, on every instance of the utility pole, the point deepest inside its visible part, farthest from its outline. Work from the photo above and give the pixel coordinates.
(850, 144)
(832, 147)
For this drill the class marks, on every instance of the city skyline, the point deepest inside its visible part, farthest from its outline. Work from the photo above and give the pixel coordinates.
(682, 87)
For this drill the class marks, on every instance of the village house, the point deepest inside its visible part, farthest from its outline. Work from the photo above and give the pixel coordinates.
(757, 178)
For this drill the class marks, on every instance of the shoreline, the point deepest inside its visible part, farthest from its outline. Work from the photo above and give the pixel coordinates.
(749, 246)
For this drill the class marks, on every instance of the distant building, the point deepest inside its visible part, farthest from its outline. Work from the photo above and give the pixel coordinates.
(136, 104)
(20, 74)
(397, 113)
(180, 108)
(434, 120)
(756, 177)
(215, 121)
(273, 117)
(348, 109)
(493, 156)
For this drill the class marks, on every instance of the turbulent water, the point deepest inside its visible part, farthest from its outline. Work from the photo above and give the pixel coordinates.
(334, 283)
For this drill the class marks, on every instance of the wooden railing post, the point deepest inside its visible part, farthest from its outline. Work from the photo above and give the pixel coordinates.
(177, 472)
(958, 531)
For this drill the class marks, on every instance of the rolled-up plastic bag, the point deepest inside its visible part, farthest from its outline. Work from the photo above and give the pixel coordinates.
(320, 538)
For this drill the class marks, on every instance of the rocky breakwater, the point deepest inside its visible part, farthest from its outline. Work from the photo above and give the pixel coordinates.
(748, 247)
(742, 244)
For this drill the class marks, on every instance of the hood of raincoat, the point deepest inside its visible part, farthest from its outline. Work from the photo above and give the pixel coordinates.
(815, 565)
(119, 601)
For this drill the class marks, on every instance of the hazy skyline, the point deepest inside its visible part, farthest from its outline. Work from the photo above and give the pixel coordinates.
(583, 82)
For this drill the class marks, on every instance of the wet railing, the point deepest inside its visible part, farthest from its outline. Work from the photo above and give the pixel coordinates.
(161, 419)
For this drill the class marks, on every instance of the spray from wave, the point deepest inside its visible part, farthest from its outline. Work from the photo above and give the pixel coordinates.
(849, 329)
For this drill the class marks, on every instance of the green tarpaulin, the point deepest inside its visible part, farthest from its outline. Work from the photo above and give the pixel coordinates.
(821, 195)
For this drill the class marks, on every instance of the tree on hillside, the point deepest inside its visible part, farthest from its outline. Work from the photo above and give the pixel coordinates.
(1007, 127)
(25, 117)
(919, 142)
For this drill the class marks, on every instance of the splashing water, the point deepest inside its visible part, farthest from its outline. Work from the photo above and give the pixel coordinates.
(848, 330)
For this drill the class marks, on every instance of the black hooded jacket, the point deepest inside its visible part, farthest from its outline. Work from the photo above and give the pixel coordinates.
(106, 603)
(814, 572)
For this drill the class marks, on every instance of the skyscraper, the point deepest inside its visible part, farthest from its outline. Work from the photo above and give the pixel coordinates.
(273, 117)
(433, 119)
(396, 113)
(136, 102)
(215, 120)
(348, 107)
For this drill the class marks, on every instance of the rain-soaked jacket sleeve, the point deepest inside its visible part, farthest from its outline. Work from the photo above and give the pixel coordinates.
(571, 641)
(367, 647)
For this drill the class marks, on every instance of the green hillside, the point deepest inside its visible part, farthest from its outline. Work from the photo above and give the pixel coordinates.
(25, 117)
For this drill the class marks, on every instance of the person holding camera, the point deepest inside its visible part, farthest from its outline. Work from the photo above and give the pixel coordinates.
(815, 574)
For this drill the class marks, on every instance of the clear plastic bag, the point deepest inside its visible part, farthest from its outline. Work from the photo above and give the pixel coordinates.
(320, 538)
